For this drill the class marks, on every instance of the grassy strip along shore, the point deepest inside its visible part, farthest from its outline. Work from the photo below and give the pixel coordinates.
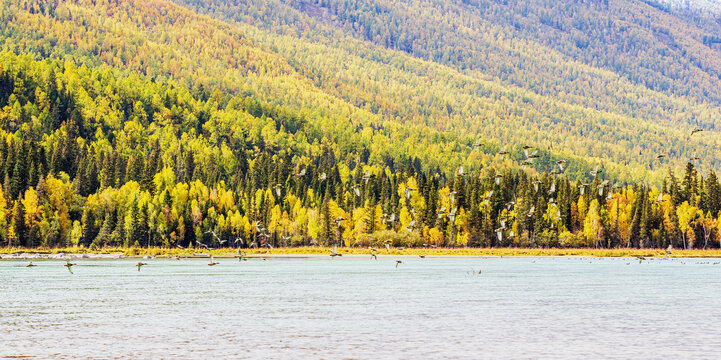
(317, 250)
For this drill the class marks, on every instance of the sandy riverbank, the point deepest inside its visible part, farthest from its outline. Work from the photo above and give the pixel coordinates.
(315, 251)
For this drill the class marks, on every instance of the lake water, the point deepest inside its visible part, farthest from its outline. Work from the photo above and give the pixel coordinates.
(430, 308)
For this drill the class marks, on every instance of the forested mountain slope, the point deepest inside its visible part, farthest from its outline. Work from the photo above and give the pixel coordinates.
(94, 159)
(460, 70)
(703, 6)
(146, 123)
(623, 79)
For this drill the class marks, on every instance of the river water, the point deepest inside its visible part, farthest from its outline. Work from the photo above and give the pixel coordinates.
(434, 308)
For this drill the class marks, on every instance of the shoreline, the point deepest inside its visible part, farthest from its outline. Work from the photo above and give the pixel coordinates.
(323, 252)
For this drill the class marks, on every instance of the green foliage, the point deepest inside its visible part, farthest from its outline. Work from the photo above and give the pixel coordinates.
(586, 81)
(152, 139)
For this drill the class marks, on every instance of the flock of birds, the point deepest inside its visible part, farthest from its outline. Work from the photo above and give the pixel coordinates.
(530, 157)
(334, 253)
(241, 257)
(263, 236)
(68, 265)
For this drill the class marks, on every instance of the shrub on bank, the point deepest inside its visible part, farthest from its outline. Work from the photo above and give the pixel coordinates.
(395, 239)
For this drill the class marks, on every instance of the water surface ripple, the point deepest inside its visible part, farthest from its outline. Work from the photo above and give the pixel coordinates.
(434, 308)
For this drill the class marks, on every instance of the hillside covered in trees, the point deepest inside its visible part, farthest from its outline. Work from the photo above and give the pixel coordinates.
(616, 82)
(89, 158)
(285, 123)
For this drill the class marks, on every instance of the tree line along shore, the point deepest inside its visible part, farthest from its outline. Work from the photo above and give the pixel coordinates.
(114, 253)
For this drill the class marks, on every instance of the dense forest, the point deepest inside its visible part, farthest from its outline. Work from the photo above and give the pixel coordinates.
(620, 81)
(95, 157)
(611, 82)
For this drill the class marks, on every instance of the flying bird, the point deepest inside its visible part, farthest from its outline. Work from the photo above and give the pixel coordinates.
(300, 174)
(601, 186)
(215, 237)
(408, 192)
(30, 265)
(536, 183)
(69, 265)
(277, 188)
(441, 212)
(582, 187)
(510, 205)
(410, 226)
(334, 252)
(356, 190)
(503, 152)
(452, 214)
(322, 176)
(553, 188)
(660, 198)
(367, 176)
(212, 263)
(140, 264)
(487, 198)
(398, 262)
(498, 178)
(525, 149)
